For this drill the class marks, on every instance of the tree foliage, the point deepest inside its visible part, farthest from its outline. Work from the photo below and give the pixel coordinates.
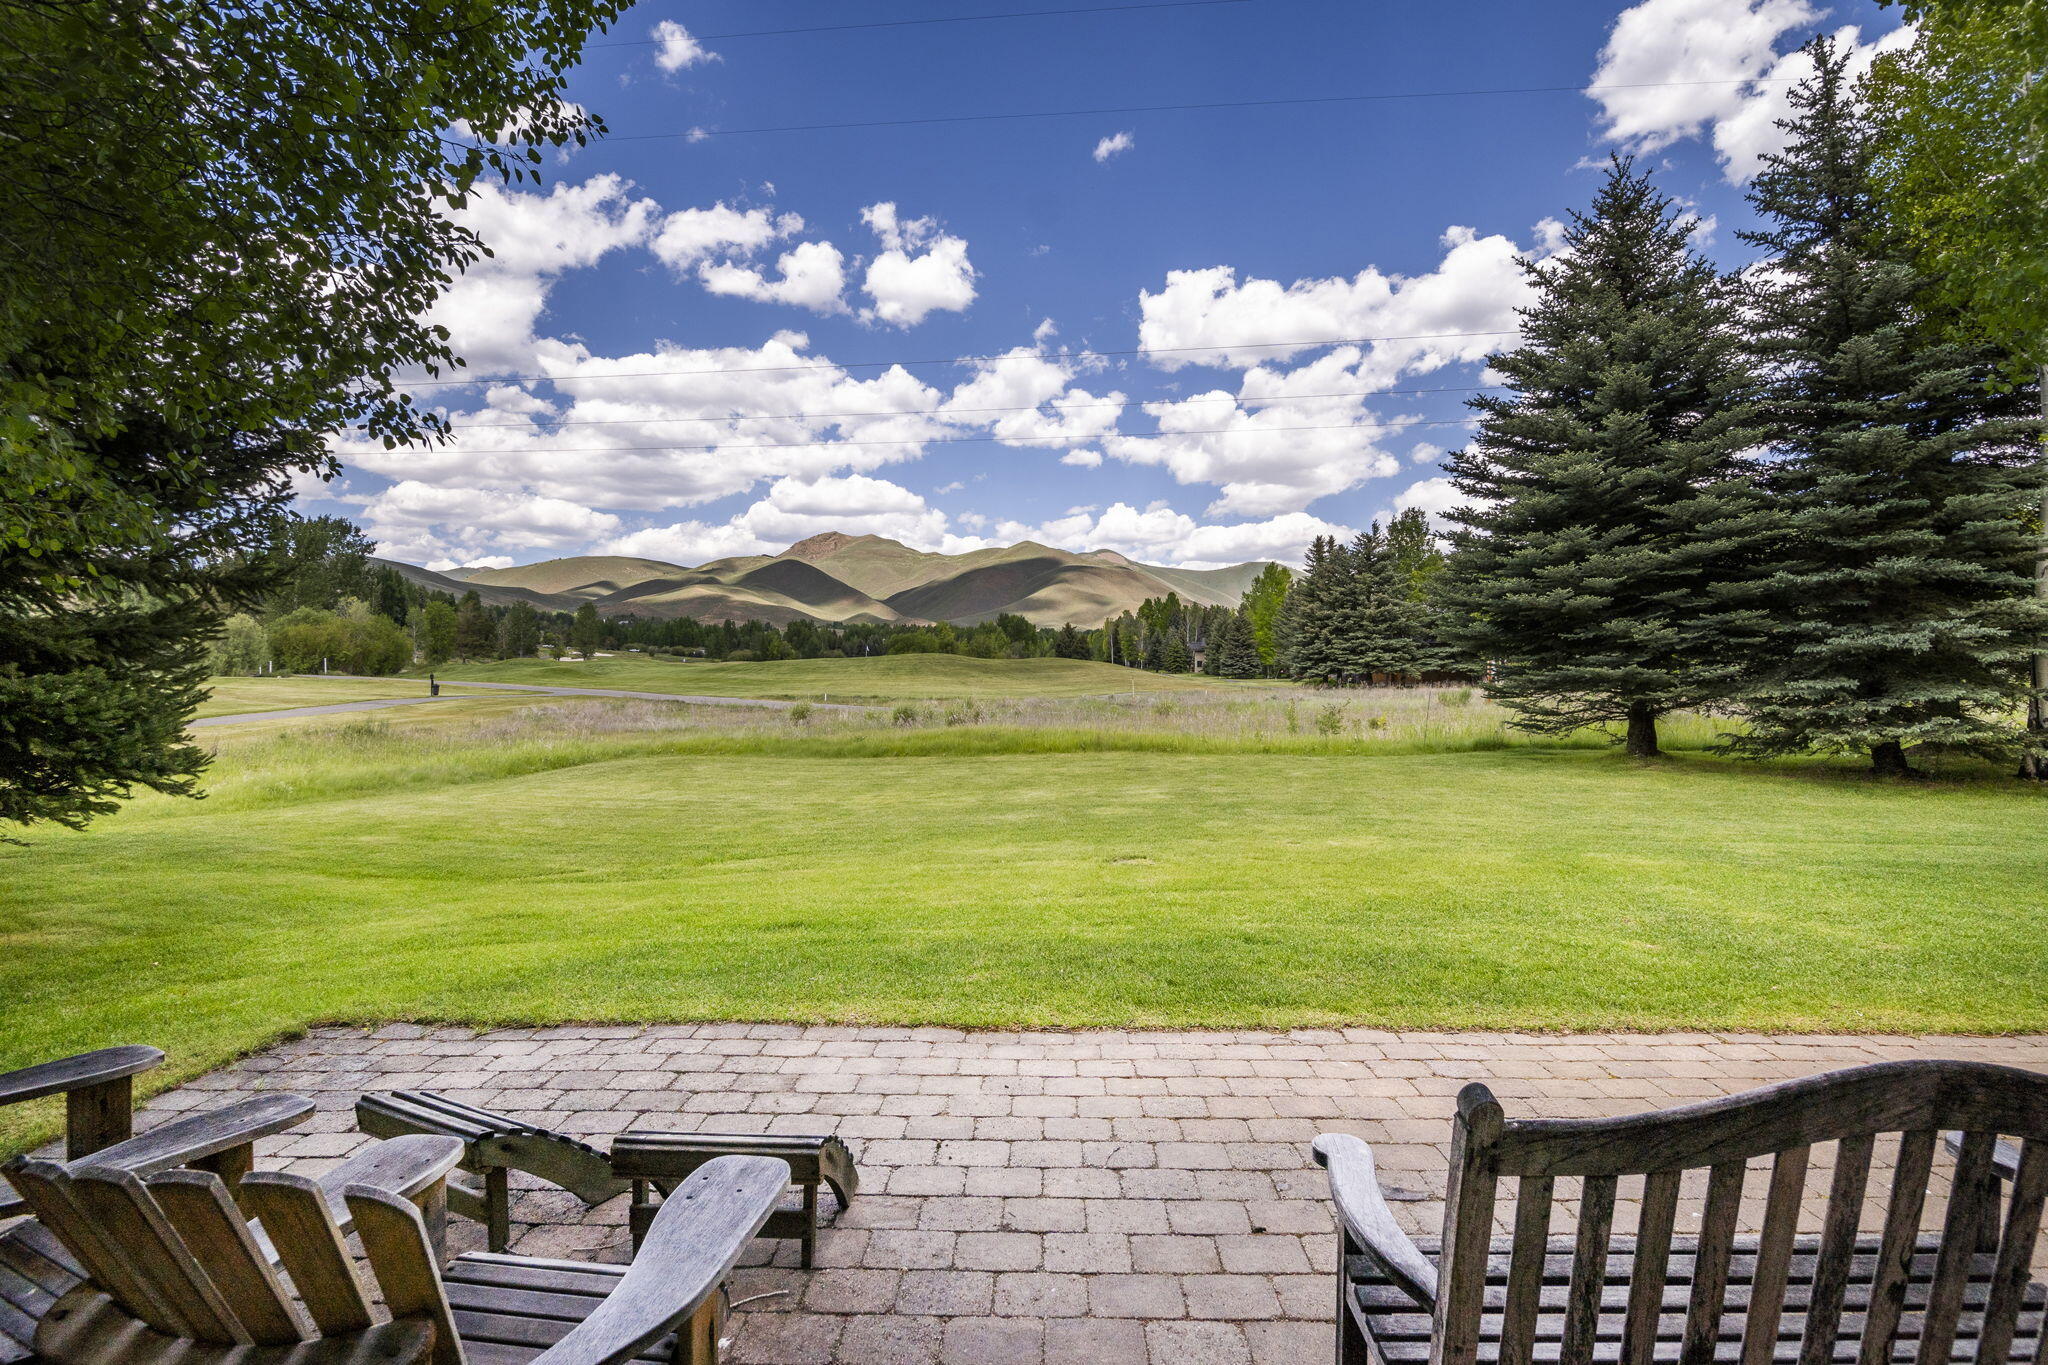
(220, 227)
(1898, 593)
(1610, 499)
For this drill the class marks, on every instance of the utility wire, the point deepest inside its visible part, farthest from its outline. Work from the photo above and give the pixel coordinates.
(952, 440)
(950, 412)
(945, 360)
(916, 23)
(698, 134)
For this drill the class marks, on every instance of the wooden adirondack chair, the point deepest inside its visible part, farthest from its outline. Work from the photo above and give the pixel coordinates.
(1783, 1297)
(175, 1273)
(99, 1098)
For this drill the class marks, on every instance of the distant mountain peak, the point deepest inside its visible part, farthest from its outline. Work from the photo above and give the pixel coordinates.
(1111, 557)
(825, 544)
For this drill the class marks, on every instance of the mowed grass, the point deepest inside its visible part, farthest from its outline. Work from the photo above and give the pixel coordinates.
(378, 872)
(888, 677)
(236, 696)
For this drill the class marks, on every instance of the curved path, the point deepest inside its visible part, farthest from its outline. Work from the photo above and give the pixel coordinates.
(469, 688)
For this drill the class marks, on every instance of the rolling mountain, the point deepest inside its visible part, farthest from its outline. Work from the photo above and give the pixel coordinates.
(841, 579)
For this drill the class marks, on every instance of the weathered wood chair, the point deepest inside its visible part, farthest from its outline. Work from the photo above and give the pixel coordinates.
(169, 1270)
(647, 1164)
(1834, 1297)
(99, 1098)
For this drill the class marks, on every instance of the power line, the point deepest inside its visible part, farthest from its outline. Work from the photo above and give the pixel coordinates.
(698, 134)
(951, 440)
(950, 411)
(946, 360)
(916, 23)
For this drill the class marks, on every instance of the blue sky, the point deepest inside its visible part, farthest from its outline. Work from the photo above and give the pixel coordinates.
(697, 340)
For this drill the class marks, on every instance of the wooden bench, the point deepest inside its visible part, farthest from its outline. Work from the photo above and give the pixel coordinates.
(1835, 1295)
(169, 1271)
(648, 1165)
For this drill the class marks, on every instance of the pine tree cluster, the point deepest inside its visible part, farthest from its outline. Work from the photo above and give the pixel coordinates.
(1790, 495)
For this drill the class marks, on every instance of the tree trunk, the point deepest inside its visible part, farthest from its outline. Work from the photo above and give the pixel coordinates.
(1889, 760)
(2034, 766)
(1642, 731)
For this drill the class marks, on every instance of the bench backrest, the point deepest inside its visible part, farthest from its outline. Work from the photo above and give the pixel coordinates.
(177, 1253)
(1917, 1100)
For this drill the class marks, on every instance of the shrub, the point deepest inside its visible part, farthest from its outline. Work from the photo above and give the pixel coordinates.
(906, 714)
(1458, 696)
(740, 656)
(1330, 719)
(799, 713)
(963, 713)
(1376, 723)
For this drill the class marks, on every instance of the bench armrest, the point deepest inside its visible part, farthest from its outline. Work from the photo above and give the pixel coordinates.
(697, 1238)
(77, 1073)
(1367, 1220)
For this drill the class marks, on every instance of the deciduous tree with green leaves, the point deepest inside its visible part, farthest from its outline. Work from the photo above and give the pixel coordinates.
(1610, 497)
(1262, 604)
(1962, 167)
(220, 229)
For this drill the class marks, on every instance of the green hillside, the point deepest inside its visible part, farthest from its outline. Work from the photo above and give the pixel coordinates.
(890, 677)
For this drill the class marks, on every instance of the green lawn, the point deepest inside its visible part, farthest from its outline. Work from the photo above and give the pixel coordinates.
(890, 677)
(234, 696)
(351, 873)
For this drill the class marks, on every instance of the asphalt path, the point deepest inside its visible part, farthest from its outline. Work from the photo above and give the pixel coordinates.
(469, 688)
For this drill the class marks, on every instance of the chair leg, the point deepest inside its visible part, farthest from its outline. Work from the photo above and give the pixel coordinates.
(1351, 1344)
(497, 1208)
(699, 1339)
(810, 1224)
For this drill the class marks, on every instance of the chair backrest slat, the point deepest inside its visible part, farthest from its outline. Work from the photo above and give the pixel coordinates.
(1837, 1247)
(1774, 1256)
(402, 1258)
(2015, 1255)
(1589, 1270)
(1902, 1213)
(1652, 1264)
(1468, 1226)
(294, 1212)
(1709, 1300)
(132, 1223)
(45, 1187)
(198, 1206)
(1969, 1198)
(1525, 1270)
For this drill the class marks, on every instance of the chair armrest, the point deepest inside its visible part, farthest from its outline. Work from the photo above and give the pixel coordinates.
(1367, 1220)
(198, 1136)
(697, 1238)
(406, 1168)
(76, 1073)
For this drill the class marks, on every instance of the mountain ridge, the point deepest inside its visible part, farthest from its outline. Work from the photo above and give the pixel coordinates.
(837, 578)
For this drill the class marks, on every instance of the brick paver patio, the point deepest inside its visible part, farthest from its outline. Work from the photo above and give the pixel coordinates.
(1092, 1198)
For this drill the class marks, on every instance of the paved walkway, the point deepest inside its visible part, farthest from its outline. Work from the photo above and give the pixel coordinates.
(1036, 1198)
(293, 712)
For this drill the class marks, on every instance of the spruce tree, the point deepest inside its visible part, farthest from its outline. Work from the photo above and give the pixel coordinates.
(1235, 654)
(1307, 626)
(1900, 600)
(1611, 502)
(1380, 625)
(1176, 657)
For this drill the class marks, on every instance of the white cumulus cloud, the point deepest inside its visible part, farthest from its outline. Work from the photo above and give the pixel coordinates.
(678, 49)
(920, 270)
(1114, 145)
(1676, 69)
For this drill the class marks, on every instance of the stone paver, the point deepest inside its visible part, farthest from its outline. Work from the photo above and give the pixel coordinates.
(1035, 1198)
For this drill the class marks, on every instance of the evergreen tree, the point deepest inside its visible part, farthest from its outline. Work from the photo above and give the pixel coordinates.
(1611, 501)
(1236, 653)
(476, 634)
(1176, 657)
(1303, 632)
(1380, 622)
(586, 632)
(1900, 602)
